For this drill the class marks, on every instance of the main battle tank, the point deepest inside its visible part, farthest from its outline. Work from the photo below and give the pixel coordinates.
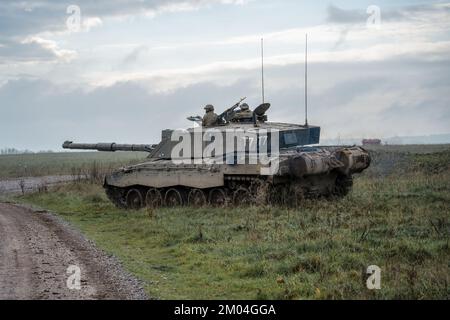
(183, 169)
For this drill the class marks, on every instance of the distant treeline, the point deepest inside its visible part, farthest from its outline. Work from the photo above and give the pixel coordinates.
(15, 151)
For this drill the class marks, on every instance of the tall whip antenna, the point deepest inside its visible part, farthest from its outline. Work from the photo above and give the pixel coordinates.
(262, 68)
(306, 80)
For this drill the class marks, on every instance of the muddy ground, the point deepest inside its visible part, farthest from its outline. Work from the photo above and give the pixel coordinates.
(36, 250)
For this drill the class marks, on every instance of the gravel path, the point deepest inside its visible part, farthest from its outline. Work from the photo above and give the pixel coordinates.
(36, 250)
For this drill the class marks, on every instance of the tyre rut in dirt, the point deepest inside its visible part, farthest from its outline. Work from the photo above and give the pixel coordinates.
(135, 200)
(37, 248)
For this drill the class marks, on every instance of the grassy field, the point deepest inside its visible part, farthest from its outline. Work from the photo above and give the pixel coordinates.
(64, 163)
(397, 217)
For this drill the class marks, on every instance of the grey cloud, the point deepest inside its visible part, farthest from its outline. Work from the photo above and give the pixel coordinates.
(338, 15)
(21, 19)
(26, 51)
(41, 115)
(351, 99)
(24, 18)
(133, 56)
(359, 15)
(351, 18)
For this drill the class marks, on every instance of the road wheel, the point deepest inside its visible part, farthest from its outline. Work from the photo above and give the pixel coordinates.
(260, 191)
(154, 198)
(243, 197)
(197, 198)
(218, 197)
(134, 199)
(173, 198)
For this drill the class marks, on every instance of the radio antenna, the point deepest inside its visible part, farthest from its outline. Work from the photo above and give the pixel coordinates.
(262, 68)
(306, 80)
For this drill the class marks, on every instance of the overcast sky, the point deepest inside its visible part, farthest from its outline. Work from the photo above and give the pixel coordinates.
(132, 68)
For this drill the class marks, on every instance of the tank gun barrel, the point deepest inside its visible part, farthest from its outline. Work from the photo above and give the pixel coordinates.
(109, 147)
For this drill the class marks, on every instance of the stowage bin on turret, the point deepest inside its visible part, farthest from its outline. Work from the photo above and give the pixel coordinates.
(236, 157)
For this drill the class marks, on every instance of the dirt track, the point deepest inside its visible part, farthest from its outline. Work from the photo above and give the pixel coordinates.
(36, 248)
(30, 184)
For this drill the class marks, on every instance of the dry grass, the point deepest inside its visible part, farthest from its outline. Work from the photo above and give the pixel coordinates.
(68, 163)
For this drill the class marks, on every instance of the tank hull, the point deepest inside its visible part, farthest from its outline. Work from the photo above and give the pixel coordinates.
(303, 172)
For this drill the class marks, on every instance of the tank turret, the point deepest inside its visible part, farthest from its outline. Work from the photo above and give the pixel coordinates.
(238, 158)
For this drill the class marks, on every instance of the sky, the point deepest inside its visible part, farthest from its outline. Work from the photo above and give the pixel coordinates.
(122, 71)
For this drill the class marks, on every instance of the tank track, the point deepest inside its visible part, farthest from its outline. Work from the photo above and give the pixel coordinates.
(243, 190)
(116, 196)
(344, 185)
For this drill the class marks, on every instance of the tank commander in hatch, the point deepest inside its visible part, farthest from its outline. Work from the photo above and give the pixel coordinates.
(210, 118)
(244, 113)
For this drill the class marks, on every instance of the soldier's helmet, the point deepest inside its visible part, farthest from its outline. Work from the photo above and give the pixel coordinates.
(244, 107)
(209, 107)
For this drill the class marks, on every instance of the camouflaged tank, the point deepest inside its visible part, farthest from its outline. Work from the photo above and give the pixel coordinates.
(298, 168)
